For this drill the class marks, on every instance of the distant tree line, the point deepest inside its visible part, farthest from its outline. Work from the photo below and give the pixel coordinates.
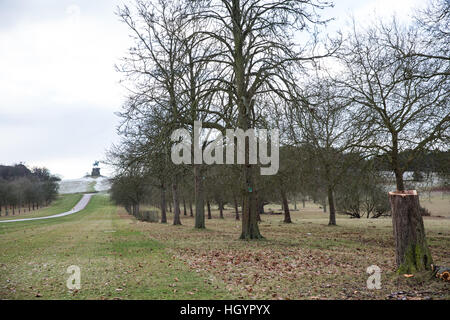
(22, 189)
(428, 161)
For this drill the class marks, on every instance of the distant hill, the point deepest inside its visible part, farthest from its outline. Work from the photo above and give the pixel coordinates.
(86, 184)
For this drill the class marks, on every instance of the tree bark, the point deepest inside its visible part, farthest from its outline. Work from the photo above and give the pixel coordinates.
(221, 209)
(250, 229)
(236, 208)
(163, 204)
(190, 209)
(287, 213)
(412, 253)
(399, 180)
(261, 206)
(395, 162)
(184, 207)
(208, 205)
(332, 221)
(135, 209)
(199, 198)
(176, 205)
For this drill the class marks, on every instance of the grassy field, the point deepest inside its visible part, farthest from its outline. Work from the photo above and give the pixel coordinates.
(437, 202)
(117, 260)
(121, 258)
(62, 204)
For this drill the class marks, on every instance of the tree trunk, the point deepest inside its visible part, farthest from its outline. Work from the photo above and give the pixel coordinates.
(190, 209)
(236, 208)
(287, 213)
(199, 198)
(176, 205)
(258, 206)
(261, 206)
(208, 205)
(399, 180)
(303, 200)
(250, 229)
(244, 100)
(395, 163)
(163, 204)
(332, 221)
(170, 206)
(184, 207)
(221, 209)
(412, 253)
(135, 209)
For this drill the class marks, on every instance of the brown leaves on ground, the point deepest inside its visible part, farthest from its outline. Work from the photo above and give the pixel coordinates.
(303, 260)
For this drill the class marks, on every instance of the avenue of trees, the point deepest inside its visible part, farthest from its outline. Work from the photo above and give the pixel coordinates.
(22, 189)
(371, 99)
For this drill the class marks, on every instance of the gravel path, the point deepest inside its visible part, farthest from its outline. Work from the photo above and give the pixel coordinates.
(78, 207)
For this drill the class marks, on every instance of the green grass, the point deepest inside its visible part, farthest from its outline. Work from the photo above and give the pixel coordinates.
(306, 259)
(116, 261)
(122, 258)
(63, 203)
(437, 202)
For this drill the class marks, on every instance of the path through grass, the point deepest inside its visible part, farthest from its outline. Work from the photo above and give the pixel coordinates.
(116, 260)
(122, 258)
(62, 204)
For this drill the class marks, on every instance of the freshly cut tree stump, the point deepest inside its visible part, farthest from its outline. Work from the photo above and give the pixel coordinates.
(412, 253)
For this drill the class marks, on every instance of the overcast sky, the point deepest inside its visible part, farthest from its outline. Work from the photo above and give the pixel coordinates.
(58, 86)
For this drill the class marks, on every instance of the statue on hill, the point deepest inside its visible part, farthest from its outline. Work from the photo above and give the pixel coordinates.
(96, 170)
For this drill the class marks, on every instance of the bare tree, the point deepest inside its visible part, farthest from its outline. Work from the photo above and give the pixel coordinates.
(403, 110)
(323, 123)
(255, 49)
(405, 103)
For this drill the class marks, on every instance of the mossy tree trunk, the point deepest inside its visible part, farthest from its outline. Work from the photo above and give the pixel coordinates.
(411, 250)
